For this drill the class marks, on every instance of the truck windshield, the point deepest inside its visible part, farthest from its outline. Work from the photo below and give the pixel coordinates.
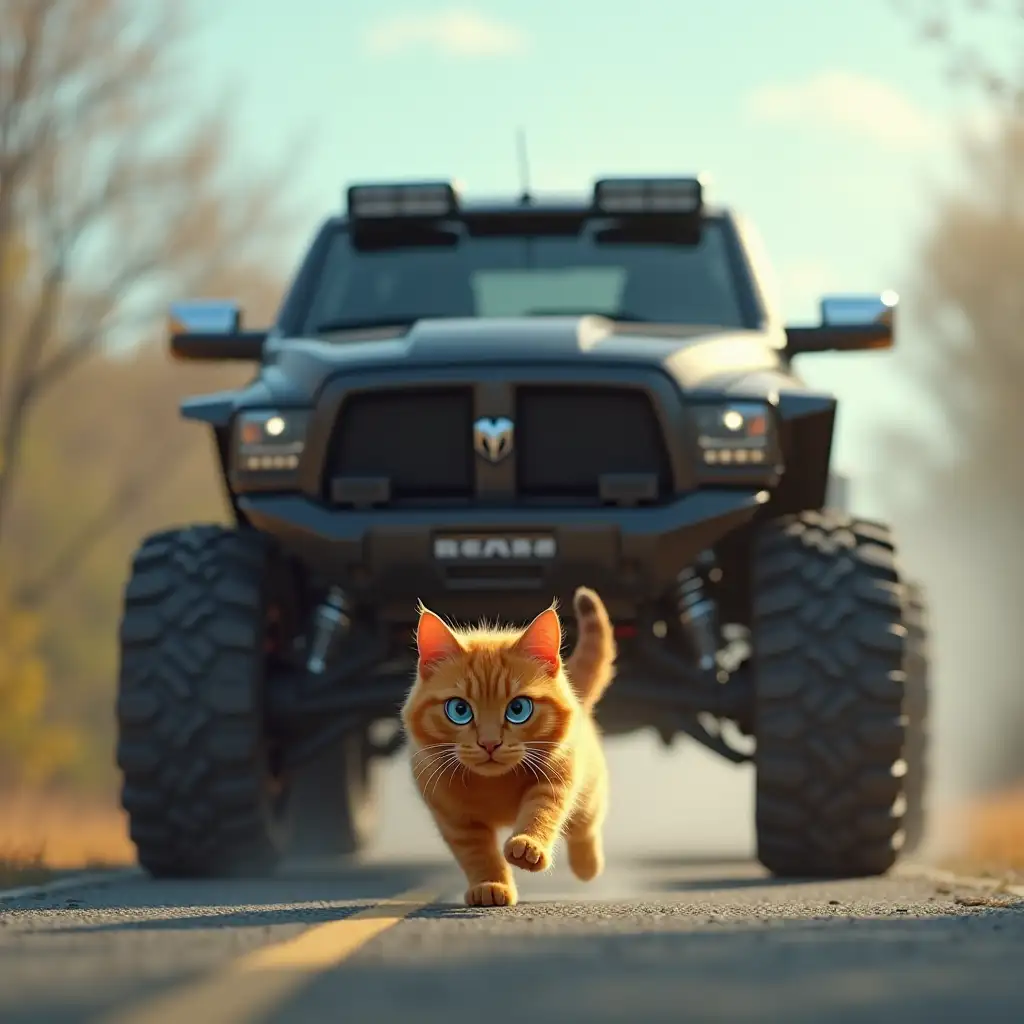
(546, 275)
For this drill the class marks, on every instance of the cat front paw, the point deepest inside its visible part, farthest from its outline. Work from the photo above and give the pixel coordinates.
(525, 852)
(491, 894)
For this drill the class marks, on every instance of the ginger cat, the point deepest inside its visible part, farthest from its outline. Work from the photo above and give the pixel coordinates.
(501, 735)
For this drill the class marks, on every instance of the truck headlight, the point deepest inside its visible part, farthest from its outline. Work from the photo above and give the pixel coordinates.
(737, 434)
(270, 442)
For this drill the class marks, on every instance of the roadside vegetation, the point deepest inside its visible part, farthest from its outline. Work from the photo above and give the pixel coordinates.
(117, 193)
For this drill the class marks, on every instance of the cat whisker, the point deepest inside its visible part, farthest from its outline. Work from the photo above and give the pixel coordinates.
(428, 768)
(526, 761)
(453, 764)
(439, 771)
(548, 757)
(554, 767)
(457, 771)
(424, 782)
(554, 770)
(543, 770)
(431, 755)
(449, 755)
(436, 758)
(437, 761)
(547, 778)
(431, 748)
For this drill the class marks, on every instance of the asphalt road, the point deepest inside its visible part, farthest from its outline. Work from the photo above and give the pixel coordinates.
(653, 940)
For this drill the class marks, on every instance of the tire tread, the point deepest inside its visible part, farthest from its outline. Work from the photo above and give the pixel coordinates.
(829, 647)
(191, 743)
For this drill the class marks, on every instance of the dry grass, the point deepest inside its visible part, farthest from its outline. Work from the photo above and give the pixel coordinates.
(18, 869)
(44, 835)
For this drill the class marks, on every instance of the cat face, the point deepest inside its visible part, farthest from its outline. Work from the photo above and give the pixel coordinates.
(491, 701)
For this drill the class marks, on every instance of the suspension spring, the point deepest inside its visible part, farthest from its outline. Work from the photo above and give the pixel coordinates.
(698, 615)
(330, 624)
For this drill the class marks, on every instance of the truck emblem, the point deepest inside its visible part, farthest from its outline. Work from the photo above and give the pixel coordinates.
(493, 437)
(483, 548)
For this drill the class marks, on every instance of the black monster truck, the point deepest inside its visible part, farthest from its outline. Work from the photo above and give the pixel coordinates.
(484, 405)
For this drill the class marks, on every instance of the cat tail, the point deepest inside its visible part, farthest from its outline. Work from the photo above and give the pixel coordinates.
(591, 666)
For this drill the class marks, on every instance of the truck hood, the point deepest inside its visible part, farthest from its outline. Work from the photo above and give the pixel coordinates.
(695, 357)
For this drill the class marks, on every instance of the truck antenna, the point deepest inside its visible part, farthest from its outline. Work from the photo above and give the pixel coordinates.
(524, 167)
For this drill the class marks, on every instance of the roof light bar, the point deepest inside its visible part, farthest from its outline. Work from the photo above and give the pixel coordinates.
(650, 196)
(413, 200)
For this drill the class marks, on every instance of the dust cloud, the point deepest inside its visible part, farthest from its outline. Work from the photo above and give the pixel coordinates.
(683, 801)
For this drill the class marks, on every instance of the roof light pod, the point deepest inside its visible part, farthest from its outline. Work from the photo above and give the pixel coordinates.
(649, 196)
(402, 200)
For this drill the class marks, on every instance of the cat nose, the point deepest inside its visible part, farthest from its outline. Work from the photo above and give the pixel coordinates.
(489, 745)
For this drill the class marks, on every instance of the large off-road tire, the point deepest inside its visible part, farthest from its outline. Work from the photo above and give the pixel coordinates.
(198, 788)
(331, 800)
(916, 710)
(828, 641)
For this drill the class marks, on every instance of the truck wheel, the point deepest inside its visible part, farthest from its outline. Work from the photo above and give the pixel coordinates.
(828, 642)
(332, 800)
(916, 710)
(198, 788)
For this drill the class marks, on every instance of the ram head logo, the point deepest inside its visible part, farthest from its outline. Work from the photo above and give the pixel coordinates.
(493, 438)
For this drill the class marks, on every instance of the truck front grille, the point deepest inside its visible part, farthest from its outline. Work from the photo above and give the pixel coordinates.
(421, 440)
(567, 438)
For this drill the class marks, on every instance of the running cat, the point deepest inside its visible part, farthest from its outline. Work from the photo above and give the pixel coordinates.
(501, 734)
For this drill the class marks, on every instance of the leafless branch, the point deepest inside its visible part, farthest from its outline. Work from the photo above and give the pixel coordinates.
(101, 169)
(941, 24)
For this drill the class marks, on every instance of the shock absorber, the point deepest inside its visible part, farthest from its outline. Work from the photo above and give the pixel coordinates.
(698, 615)
(330, 623)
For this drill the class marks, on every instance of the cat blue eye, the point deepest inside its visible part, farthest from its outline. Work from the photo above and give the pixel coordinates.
(519, 710)
(458, 711)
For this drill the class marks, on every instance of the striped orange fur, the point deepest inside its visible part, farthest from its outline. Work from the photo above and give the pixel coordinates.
(501, 735)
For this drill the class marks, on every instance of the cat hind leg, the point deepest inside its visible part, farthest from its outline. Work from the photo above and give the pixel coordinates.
(586, 854)
(584, 839)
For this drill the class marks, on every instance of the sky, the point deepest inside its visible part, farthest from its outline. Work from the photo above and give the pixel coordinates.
(828, 124)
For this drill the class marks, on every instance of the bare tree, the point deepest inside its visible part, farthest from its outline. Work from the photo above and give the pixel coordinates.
(947, 26)
(113, 192)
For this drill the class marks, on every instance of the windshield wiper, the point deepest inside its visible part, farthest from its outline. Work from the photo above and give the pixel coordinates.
(619, 315)
(354, 324)
(366, 323)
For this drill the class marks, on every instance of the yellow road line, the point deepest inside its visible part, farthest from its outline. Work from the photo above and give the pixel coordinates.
(258, 982)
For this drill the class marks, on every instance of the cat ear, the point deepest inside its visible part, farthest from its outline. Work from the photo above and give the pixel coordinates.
(543, 641)
(434, 640)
